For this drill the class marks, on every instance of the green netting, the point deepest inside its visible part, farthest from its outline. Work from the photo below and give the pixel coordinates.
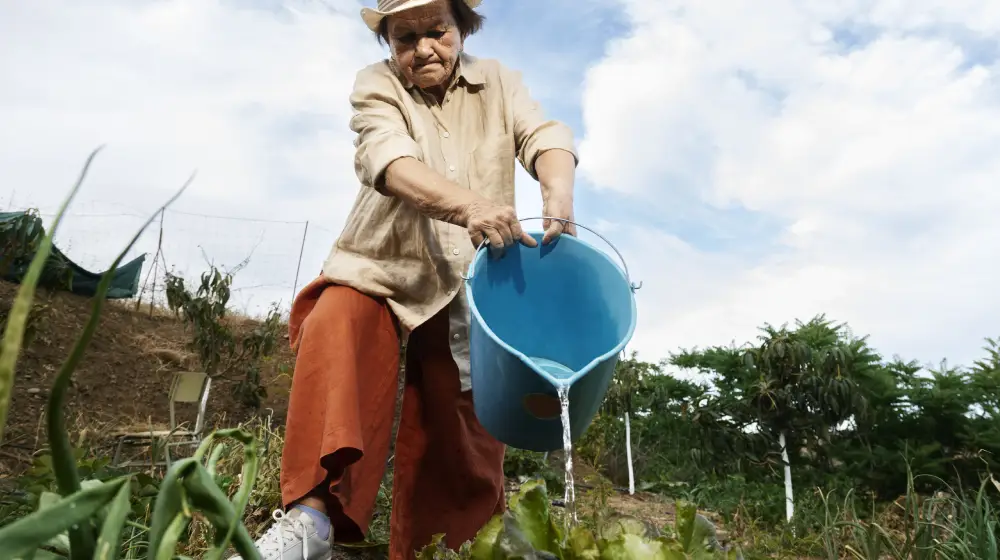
(20, 233)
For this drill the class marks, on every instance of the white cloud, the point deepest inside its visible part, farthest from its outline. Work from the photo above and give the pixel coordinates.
(250, 93)
(878, 158)
(252, 96)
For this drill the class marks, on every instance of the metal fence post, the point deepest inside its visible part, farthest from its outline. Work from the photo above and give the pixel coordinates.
(302, 249)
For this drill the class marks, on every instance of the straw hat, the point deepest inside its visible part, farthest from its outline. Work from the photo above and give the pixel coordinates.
(388, 7)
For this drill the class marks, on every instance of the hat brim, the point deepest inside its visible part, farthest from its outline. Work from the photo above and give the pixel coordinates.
(373, 18)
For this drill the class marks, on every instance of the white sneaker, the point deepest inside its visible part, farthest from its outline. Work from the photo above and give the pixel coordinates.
(293, 536)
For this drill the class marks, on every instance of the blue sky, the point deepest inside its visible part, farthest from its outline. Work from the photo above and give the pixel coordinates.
(554, 47)
(755, 161)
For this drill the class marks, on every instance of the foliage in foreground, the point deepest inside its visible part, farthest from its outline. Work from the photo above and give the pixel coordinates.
(88, 517)
(528, 529)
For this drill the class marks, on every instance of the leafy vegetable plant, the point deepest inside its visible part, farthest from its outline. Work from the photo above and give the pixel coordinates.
(528, 530)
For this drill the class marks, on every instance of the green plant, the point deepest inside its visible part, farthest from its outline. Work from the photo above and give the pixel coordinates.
(378, 529)
(93, 514)
(266, 494)
(522, 465)
(947, 525)
(255, 347)
(17, 320)
(20, 238)
(40, 479)
(189, 486)
(221, 349)
(529, 530)
(848, 416)
(204, 310)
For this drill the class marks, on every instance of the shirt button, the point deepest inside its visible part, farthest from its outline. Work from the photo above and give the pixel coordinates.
(457, 336)
(451, 167)
(455, 251)
(445, 134)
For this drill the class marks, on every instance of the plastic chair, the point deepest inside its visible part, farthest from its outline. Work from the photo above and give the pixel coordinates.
(188, 387)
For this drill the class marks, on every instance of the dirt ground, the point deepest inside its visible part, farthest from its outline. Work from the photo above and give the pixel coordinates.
(651, 508)
(123, 379)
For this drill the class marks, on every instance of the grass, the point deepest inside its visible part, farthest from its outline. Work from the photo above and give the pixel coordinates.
(830, 524)
(950, 524)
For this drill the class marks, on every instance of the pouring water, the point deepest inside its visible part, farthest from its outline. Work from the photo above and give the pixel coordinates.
(570, 494)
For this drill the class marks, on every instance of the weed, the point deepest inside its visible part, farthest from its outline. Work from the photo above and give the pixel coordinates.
(946, 525)
(522, 465)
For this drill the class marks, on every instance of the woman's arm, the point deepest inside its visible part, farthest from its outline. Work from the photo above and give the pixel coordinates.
(387, 159)
(432, 194)
(440, 199)
(556, 170)
(545, 149)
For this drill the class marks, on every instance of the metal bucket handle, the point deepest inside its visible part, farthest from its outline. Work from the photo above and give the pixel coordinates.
(628, 277)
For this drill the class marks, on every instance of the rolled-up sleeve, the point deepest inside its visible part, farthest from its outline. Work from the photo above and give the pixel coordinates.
(533, 132)
(382, 132)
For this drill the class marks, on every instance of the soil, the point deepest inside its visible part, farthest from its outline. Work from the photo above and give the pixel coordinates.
(592, 488)
(121, 384)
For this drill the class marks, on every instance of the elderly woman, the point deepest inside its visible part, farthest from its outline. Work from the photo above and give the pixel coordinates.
(437, 135)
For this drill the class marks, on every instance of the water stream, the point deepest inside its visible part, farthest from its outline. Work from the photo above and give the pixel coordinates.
(570, 496)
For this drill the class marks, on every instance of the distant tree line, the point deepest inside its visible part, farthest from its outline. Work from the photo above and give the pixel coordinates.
(845, 416)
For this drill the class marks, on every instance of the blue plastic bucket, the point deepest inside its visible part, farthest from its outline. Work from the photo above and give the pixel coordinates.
(545, 317)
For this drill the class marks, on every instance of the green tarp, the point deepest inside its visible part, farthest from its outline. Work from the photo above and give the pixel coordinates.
(60, 271)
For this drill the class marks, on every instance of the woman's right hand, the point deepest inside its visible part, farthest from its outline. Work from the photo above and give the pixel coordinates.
(497, 223)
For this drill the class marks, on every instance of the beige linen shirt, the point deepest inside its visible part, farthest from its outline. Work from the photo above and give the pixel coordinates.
(387, 248)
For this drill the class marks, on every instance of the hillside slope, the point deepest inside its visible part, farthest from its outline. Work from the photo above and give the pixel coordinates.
(123, 379)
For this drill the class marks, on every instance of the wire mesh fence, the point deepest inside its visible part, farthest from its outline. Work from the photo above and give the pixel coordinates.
(270, 259)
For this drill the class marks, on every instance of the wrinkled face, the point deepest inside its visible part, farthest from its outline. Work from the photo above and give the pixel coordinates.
(425, 42)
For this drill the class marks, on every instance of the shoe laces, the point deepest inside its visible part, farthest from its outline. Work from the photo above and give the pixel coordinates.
(284, 529)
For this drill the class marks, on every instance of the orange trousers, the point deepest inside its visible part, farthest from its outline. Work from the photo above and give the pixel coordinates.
(448, 471)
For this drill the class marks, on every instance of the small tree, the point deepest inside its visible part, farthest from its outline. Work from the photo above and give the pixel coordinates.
(985, 376)
(657, 407)
(796, 384)
(204, 310)
(221, 350)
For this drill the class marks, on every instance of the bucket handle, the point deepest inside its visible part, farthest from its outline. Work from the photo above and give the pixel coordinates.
(628, 277)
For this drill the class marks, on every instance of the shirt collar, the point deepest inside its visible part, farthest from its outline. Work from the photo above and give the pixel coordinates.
(467, 70)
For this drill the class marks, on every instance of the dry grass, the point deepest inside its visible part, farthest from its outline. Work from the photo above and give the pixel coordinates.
(266, 494)
(124, 378)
